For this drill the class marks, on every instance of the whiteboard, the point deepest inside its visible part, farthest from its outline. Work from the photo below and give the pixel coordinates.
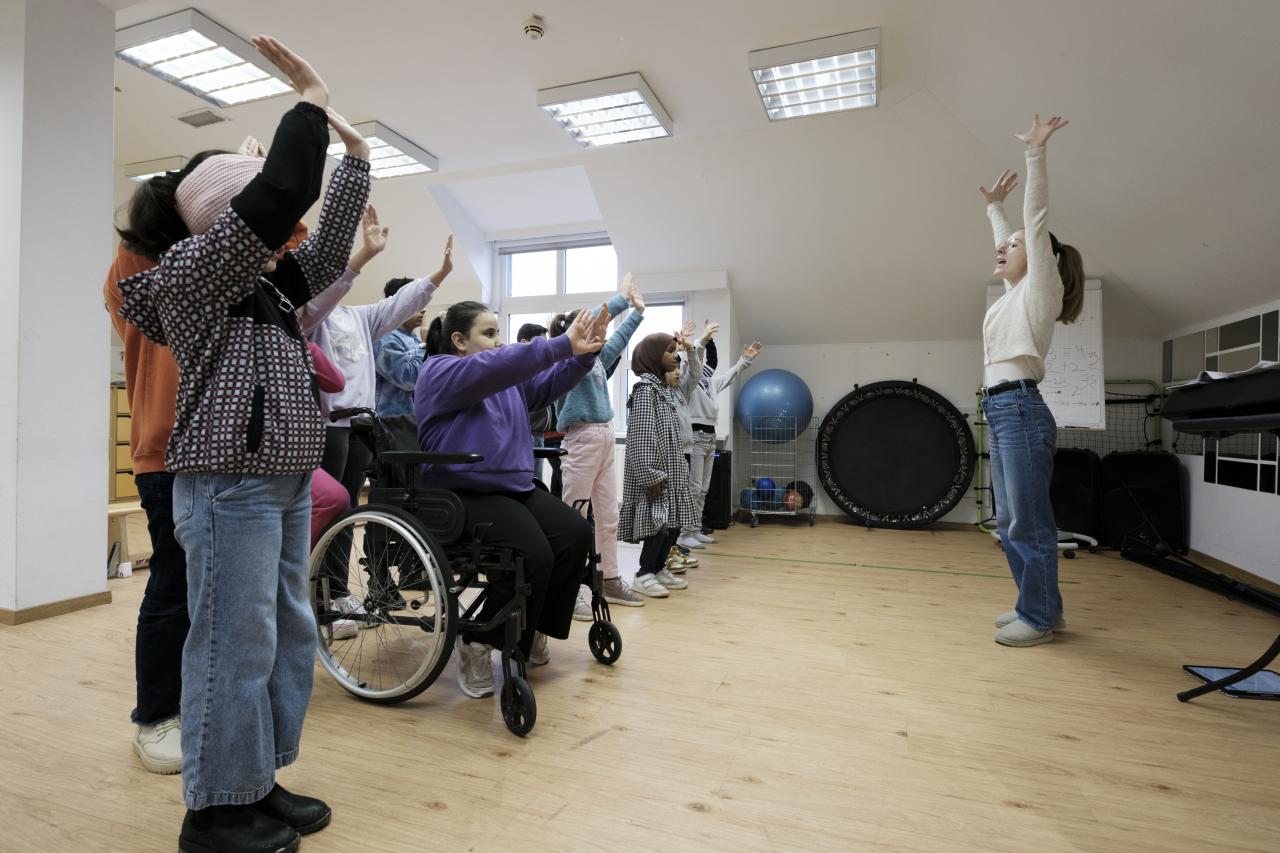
(1074, 386)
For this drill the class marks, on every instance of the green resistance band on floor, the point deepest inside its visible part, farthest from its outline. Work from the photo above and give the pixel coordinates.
(917, 570)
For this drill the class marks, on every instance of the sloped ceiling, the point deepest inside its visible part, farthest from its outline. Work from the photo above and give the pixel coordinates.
(854, 227)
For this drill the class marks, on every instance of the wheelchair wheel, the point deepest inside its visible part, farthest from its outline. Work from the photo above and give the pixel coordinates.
(605, 642)
(519, 708)
(397, 594)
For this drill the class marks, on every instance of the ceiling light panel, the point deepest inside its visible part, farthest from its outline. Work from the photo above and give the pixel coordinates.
(824, 75)
(609, 111)
(197, 54)
(390, 154)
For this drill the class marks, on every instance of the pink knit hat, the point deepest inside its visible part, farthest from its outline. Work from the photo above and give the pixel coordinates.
(206, 192)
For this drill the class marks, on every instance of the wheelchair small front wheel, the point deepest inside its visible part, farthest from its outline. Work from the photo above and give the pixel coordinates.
(605, 641)
(519, 708)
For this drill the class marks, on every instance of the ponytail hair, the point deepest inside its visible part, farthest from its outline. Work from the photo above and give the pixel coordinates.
(561, 323)
(460, 317)
(1071, 270)
(153, 221)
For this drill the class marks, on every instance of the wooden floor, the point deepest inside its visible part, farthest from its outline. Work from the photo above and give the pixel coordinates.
(824, 689)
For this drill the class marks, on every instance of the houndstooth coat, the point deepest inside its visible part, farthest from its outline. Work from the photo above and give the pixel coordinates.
(653, 454)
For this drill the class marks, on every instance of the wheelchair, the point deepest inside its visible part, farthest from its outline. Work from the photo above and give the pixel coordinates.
(421, 578)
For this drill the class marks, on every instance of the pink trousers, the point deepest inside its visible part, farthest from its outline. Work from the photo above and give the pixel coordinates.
(589, 472)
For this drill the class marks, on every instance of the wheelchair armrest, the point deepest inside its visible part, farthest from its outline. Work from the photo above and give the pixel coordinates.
(417, 457)
(549, 452)
(343, 414)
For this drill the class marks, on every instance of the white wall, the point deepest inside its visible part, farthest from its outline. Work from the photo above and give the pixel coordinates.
(56, 92)
(952, 368)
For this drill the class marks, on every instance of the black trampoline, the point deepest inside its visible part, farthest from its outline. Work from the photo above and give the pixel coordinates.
(895, 454)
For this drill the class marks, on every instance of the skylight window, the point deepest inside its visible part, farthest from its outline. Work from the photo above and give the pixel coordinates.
(608, 111)
(821, 76)
(191, 51)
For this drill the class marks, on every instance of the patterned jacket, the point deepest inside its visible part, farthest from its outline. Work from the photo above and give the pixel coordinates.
(247, 401)
(654, 454)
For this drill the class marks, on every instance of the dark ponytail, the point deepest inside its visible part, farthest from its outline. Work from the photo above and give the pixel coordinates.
(561, 323)
(1071, 270)
(460, 317)
(153, 221)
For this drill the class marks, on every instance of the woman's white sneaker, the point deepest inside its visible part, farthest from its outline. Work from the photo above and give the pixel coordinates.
(159, 746)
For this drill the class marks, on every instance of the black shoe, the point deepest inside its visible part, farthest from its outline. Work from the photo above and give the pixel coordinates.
(235, 829)
(304, 814)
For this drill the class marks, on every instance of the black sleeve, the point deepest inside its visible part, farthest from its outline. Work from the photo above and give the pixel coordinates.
(711, 359)
(289, 183)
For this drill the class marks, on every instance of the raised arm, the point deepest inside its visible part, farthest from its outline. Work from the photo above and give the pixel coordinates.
(1000, 228)
(389, 314)
(725, 379)
(1035, 202)
(585, 336)
(617, 343)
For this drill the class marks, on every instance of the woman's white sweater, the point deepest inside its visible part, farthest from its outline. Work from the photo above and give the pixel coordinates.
(1020, 323)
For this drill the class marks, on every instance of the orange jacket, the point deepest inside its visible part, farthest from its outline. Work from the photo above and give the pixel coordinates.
(150, 373)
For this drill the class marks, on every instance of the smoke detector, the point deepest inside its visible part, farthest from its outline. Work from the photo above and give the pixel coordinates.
(534, 28)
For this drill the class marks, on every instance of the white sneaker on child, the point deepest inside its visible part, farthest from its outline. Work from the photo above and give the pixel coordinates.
(349, 605)
(539, 655)
(647, 584)
(670, 581)
(475, 669)
(690, 540)
(582, 609)
(159, 746)
(705, 538)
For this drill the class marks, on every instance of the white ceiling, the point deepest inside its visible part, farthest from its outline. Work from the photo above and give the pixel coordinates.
(861, 226)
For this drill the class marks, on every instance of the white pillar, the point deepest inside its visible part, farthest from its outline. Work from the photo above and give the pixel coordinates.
(56, 137)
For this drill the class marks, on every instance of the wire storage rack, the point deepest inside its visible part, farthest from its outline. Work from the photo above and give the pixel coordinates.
(777, 473)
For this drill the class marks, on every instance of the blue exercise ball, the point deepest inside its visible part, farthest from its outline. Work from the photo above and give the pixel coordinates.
(748, 500)
(765, 489)
(775, 406)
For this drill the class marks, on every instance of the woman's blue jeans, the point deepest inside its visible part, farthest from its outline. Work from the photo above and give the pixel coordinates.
(1022, 436)
(247, 662)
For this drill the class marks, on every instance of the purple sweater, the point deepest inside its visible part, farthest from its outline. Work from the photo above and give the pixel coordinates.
(480, 404)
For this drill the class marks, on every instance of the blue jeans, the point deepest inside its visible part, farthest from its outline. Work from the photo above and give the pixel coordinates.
(1023, 436)
(247, 662)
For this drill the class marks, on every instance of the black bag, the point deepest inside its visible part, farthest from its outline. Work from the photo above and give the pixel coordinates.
(1143, 511)
(719, 507)
(1076, 491)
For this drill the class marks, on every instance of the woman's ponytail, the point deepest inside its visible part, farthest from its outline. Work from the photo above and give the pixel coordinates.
(435, 337)
(1071, 270)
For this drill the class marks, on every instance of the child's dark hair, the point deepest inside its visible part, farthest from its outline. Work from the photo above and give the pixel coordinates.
(392, 287)
(561, 322)
(153, 221)
(460, 317)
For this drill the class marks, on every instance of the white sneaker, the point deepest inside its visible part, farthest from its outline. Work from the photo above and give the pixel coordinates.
(539, 655)
(582, 609)
(691, 541)
(159, 747)
(343, 629)
(1011, 616)
(670, 581)
(475, 669)
(705, 538)
(349, 605)
(649, 585)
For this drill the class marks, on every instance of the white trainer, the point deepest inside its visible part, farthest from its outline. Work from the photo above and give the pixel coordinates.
(691, 541)
(705, 538)
(582, 608)
(670, 581)
(539, 655)
(349, 605)
(159, 747)
(475, 669)
(649, 585)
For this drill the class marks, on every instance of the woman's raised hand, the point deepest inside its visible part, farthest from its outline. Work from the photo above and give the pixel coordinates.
(709, 331)
(251, 147)
(302, 77)
(357, 145)
(374, 234)
(1039, 133)
(1003, 186)
(752, 349)
(586, 332)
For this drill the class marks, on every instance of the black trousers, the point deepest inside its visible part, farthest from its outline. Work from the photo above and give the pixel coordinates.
(162, 618)
(654, 550)
(554, 542)
(345, 459)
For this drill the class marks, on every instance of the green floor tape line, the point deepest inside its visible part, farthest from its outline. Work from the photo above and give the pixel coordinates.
(954, 572)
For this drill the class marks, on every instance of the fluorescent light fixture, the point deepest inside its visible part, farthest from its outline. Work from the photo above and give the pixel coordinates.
(193, 52)
(607, 111)
(390, 154)
(825, 75)
(148, 169)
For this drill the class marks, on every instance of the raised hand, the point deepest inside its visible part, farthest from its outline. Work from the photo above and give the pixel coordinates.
(709, 331)
(373, 234)
(586, 332)
(1003, 186)
(357, 145)
(628, 286)
(251, 147)
(752, 349)
(446, 265)
(1039, 133)
(302, 77)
